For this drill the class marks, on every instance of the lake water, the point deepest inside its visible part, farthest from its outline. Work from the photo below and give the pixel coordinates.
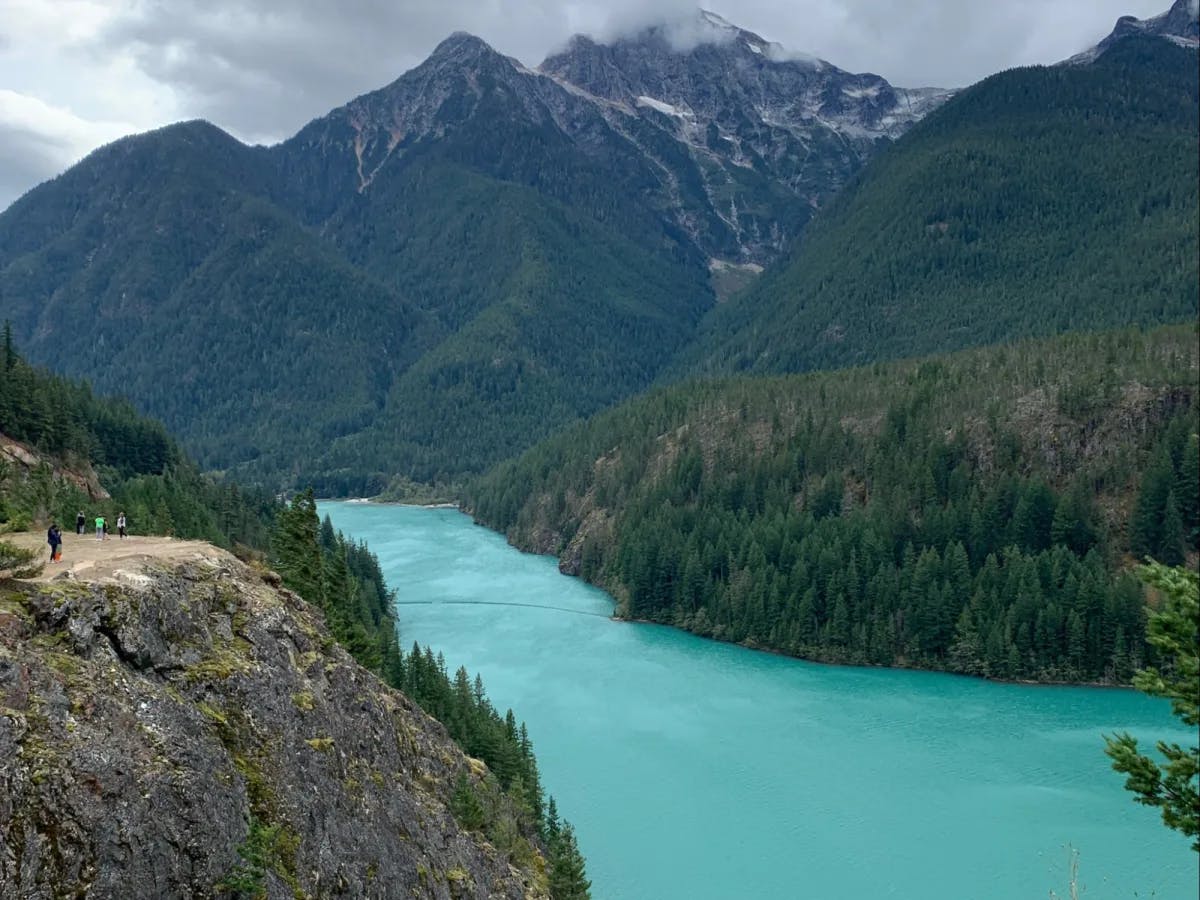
(694, 770)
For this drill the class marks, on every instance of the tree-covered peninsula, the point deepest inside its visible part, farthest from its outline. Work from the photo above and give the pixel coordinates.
(975, 512)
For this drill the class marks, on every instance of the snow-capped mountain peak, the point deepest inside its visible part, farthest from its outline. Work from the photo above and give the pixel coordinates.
(721, 107)
(736, 141)
(1180, 25)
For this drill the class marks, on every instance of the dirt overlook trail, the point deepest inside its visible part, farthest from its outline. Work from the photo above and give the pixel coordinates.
(88, 559)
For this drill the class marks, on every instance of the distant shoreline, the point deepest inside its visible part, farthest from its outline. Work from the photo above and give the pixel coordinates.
(374, 502)
(758, 648)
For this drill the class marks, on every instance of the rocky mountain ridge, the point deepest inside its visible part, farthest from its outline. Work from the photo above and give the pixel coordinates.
(180, 726)
(733, 141)
(1180, 25)
(747, 118)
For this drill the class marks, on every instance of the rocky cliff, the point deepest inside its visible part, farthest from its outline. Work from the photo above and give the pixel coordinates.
(1180, 25)
(24, 459)
(177, 725)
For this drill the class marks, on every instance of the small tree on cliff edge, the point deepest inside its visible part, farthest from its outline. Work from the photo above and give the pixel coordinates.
(568, 879)
(16, 562)
(1173, 630)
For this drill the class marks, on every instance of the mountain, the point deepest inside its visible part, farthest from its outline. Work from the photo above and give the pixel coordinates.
(974, 512)
(1180, 25)
(247, 299)
(443, 271)
(161, 269)
(743, 121)
(1038, 201)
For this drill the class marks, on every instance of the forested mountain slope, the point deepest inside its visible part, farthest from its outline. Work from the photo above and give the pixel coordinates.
(1038, 201)
(64, 450)
(160, 269)
(973, 512)
(440, 272)
(548, 315)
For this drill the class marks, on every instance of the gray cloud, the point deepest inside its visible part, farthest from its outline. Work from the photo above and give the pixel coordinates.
(27, 158)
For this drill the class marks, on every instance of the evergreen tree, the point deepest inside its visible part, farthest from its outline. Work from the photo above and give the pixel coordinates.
(10, 353)
(295, 550)
(1145, 538)
(1174, 630)
(1188, 492)
(1171, 548)
(568, 881)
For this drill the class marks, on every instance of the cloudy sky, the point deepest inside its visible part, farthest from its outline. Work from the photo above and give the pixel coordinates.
(75, 74)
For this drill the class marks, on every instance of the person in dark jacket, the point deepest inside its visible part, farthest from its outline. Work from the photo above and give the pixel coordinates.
(54, 539)
(80, 522)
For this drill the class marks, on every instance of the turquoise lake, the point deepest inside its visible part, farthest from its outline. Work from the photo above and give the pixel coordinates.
(694, 770)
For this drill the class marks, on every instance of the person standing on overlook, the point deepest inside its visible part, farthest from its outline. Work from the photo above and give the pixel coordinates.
(100, 528)
(121, 526)
(80, 522)
(54, 539)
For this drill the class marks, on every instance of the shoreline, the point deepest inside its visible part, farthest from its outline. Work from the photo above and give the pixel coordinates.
(617, 617)
(773, 651)
(446, 504)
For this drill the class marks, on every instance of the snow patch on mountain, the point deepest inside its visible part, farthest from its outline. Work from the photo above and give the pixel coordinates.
(858, 93)
(665, 108)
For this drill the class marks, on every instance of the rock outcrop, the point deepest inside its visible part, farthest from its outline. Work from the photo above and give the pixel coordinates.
(187, 728)
(25, 459)
(1180, 25)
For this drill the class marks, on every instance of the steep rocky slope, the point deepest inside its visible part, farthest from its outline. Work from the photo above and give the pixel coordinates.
(176, 725)
(762, 134)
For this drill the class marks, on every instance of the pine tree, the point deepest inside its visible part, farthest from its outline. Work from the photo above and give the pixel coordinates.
(568, 878)
(1075, 519)
(1173, 630)
(1171, 545)
(1188, 491)
(966, 652)
(10, 353)
(295, 551)
(466, 805)
(1145, 527)
(1034, 517)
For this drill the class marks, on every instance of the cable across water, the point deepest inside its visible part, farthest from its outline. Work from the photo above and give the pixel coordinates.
(578, 612)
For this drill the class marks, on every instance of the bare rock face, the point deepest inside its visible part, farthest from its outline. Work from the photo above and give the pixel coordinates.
(1180, 25)
(26, 459)
(728, 137)
(162, 730)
